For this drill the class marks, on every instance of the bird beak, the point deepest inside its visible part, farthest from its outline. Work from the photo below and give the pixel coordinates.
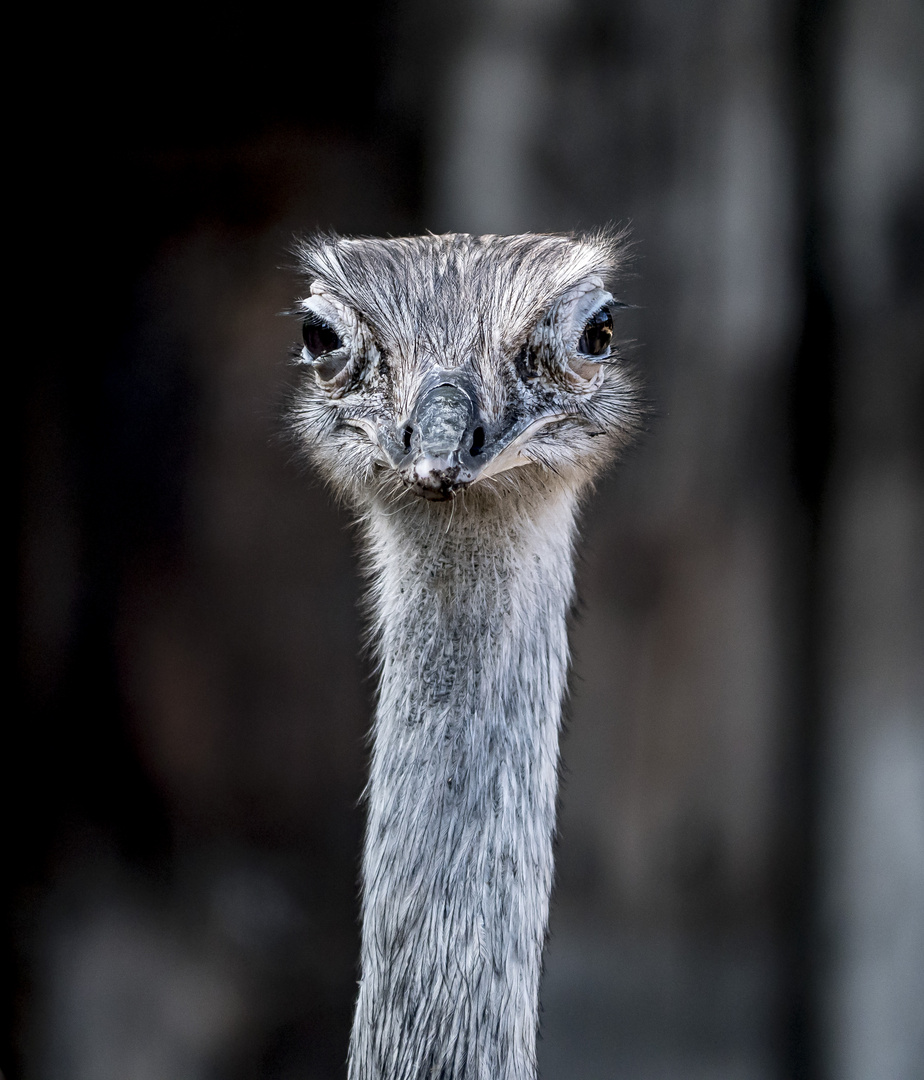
(446, 444)
(441, 444)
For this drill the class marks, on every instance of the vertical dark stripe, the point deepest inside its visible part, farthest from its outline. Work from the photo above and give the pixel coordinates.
(812, 439)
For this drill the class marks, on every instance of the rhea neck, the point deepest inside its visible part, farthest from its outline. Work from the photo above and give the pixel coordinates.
(470, 607)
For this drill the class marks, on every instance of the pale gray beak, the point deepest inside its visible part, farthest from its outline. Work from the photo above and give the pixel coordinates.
(446, 444)
(442, 442)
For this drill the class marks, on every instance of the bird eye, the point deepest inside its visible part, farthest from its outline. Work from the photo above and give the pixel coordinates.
(325, 347)
(598, 333)
(319, 338)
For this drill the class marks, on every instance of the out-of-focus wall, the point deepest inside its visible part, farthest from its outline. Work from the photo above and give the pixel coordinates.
(741, 864)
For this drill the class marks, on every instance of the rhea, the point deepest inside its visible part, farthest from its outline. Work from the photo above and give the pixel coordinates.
(460, 394)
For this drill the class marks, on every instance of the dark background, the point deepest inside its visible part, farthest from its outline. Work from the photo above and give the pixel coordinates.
(741, 862)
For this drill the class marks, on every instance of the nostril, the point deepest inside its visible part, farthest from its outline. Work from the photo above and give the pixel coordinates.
(477, 441)
(408, 432)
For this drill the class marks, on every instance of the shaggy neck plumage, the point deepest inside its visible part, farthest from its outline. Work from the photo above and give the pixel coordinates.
(470, 607)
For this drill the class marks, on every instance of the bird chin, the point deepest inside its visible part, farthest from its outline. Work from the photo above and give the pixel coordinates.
(437, 494)
(505, 462)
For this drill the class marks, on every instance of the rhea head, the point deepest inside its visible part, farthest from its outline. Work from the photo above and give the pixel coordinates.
(442, 365)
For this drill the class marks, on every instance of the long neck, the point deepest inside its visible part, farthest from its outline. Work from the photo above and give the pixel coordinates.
(470, 611)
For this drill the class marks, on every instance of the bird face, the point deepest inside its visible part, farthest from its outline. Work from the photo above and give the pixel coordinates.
(444, 364)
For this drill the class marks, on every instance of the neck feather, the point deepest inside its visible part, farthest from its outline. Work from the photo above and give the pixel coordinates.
(470, 614)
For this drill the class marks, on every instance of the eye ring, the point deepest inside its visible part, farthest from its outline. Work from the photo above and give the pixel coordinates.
(597, 335)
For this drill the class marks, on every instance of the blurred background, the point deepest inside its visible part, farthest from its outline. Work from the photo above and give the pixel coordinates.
(741, 861)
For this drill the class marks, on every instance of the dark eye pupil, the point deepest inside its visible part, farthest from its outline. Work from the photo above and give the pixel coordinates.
(598, 333)
(319, 338)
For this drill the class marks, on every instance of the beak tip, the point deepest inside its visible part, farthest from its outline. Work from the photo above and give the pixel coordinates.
(437, 478)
